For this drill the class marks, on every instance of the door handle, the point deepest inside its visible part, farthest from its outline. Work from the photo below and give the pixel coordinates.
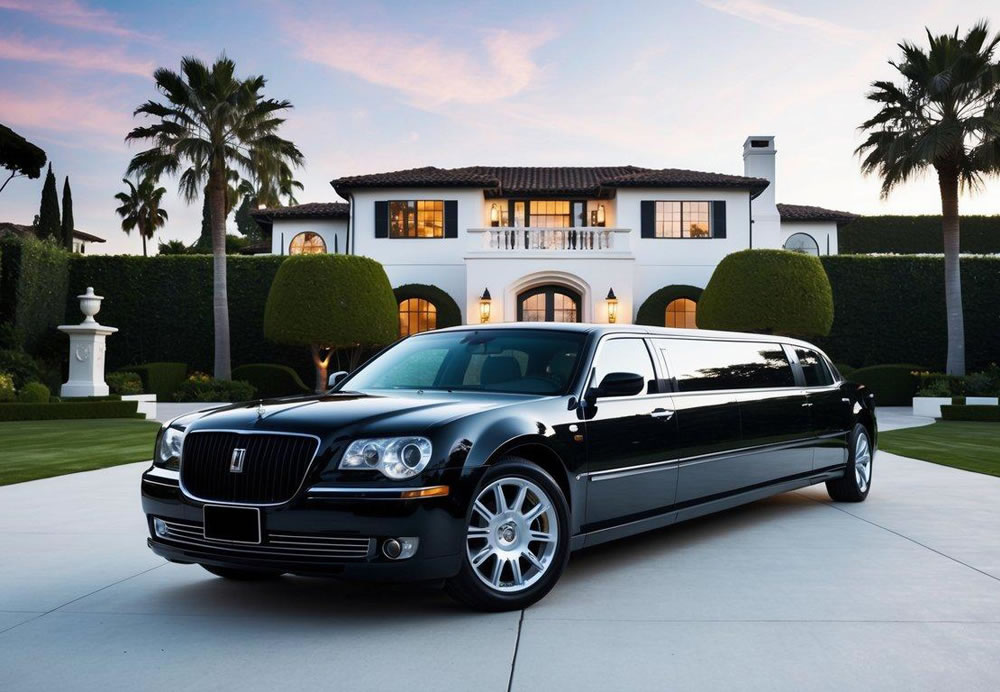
(664, 413)
(807, 404)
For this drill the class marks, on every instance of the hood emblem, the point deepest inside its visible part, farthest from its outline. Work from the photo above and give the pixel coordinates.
(236, 460)
(260, 409)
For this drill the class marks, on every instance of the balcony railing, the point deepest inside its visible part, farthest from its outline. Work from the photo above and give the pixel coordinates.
(585, 239)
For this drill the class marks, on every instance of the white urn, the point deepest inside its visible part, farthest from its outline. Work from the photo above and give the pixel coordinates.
(90, 305)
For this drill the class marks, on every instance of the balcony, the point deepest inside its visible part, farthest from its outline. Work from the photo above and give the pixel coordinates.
(518, 242)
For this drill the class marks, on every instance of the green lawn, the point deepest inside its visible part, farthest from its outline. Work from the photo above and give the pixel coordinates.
(964, 445)
(39, 449)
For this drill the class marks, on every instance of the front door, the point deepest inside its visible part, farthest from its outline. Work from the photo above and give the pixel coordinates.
(549, 304)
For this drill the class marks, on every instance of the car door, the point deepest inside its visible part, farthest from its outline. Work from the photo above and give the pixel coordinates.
(630, 439)
(830, 410)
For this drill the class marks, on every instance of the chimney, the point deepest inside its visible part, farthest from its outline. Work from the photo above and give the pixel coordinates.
(758, 162)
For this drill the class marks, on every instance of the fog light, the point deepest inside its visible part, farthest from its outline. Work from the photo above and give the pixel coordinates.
(400, 548)
(160, 527)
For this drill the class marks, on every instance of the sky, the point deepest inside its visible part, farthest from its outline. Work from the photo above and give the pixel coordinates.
(379, 86)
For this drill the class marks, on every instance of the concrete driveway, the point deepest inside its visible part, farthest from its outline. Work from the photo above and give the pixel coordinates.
(901, 592)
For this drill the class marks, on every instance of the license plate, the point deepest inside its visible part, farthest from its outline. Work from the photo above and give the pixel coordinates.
(232, 524)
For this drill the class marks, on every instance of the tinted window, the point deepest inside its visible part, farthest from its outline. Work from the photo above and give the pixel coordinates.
(713, 365)
(624, 355)
(814, 368)
(508, 360)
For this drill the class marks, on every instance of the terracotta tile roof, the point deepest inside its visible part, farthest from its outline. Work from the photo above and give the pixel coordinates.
(804, 212)
(8, 228)
(310, 210)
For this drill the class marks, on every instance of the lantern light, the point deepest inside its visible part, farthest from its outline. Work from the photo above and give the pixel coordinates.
(600, 214)
(494, 215)
(612, 301)
(484, 306)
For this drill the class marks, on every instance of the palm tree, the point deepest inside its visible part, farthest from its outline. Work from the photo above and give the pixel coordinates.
(141, 209)
(213, 124)
(945, 114)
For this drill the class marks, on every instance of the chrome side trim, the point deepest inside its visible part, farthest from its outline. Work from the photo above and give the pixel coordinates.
(173, 486)
(309, 467)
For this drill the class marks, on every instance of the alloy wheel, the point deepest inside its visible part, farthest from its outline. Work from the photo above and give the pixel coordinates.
(862, 462)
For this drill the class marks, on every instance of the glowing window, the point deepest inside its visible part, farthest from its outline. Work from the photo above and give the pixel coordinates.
(422, 218)
(681, 313)
(307, 243)
(416, 315)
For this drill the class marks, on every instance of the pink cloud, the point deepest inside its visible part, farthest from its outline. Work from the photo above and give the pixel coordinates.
(429, 73)
(768, 15)
(103, 59)
(72, 14)
(62, 112)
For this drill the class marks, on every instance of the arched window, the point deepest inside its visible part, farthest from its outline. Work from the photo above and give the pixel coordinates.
(681, 313)
(416, 315)
(307, 243)
(549, 304)
(802, 242)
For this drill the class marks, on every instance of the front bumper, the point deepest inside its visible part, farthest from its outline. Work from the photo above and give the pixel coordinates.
(330, 534)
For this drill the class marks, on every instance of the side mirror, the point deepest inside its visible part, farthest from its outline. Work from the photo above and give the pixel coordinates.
(618, 384)
(335, 378)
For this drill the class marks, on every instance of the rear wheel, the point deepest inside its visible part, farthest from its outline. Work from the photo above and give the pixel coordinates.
(517, 541)
(241, 574)
(857, 480)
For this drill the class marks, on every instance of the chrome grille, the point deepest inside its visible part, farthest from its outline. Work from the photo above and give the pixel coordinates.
(275, 545)
(272, 467)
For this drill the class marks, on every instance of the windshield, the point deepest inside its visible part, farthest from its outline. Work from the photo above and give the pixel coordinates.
(522, 361)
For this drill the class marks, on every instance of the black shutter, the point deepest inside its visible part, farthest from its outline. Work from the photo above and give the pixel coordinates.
(648, 209)
(450, 218)
(381, 219)
(719, 219)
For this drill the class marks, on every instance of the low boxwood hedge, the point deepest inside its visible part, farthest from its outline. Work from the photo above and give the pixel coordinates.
(271, 380)
(161, 379)
(971, 413)
(66, 410)
(893, 384)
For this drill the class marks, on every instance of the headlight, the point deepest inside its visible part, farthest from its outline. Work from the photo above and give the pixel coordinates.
(395, 457)
(168, 450)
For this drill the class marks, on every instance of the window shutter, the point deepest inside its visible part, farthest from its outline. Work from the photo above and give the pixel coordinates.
(381, 219)
(450, 218)
(648, 214)
(719, 219)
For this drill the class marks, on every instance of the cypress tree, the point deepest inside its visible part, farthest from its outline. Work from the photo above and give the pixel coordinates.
(67, 216)
(48, 213)
(204, 242)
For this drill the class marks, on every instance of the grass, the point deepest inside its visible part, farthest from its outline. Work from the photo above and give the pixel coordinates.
(963, 445)
(40, 449)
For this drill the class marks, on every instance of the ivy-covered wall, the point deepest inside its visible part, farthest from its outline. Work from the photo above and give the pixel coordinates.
(917, 234)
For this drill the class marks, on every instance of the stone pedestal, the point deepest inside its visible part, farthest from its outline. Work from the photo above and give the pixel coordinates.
(86, 351)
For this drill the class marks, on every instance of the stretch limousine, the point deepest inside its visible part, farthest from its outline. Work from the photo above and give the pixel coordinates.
(482, 456)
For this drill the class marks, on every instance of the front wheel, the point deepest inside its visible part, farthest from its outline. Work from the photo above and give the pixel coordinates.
(517, 538)
(857, 480)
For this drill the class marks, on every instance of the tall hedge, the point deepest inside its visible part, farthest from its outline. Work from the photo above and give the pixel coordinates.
(769, 291)
(33, 288)
(917, 234)
(891, 310)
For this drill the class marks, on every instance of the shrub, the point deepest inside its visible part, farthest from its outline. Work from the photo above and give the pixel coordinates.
(769, 291)
(202, 387)
(20, 366)
(33, 393)
(330, 302)
(982, 383)
(271, 380)
(161, 379)
(66, 410)
(6, 387)
(448, 312)
(971, 413)
(653, 311)
(893, 385)
(124, 383)
(33, 287)
(845, 369)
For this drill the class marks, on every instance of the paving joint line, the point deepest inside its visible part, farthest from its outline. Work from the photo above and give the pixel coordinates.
(517, 644)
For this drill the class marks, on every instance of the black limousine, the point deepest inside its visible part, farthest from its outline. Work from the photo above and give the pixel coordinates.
(482, 456)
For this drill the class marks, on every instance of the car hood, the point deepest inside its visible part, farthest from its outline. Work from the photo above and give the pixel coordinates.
(408, 412)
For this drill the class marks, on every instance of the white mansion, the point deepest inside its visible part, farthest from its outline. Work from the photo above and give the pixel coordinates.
(567, 244)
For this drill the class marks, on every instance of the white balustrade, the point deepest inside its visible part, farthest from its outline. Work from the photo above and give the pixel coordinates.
(584, 239)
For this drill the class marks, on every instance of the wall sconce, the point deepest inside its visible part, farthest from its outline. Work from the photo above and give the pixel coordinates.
(484, 306)
(612, 301)
(494, 215)
(600, 214)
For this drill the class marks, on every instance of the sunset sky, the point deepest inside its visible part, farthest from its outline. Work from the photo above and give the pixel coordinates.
(380, 86)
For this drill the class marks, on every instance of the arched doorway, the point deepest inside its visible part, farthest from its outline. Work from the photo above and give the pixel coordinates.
(549, 304)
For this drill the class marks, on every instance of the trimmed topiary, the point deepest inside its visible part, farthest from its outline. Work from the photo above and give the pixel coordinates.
(271, 380)
(894, 384)
(986, 413)
(448, 312)
(331, 302)
(653, 311)
(770, 292)
(33, 393)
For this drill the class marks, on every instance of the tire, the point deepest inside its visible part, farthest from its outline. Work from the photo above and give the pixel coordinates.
(237, 574)
(857, 480)
(528, 567)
